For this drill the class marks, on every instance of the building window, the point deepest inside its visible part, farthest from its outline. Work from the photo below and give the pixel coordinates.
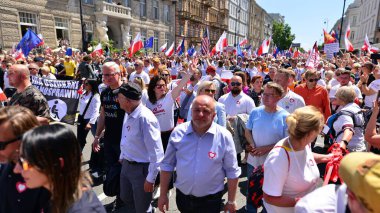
(155, 9)
(352, 36)
(155, 41)
(166, 13)
(62, 29)
(143, 35)
(89, 31)
(127, 3)
(167, 38)
(28, 20)
(88, 1)
(143, 8)
(181, 30)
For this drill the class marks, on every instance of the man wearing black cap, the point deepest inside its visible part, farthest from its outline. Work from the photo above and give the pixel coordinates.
(141, 149)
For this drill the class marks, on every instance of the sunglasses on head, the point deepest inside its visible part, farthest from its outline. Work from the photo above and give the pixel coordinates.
(235, 84)
(311, 80)
(3, 144)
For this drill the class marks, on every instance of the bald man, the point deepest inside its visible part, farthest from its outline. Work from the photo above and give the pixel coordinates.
(27, 95)
(203, 154)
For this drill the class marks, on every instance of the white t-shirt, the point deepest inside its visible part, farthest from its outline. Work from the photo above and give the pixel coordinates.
(369, 99)
(291, 101)
(143, 75)
(146, 69)
(144, 97)
(6, 81)
(333, 82)
(321, 200)
(240, 104)
(164, 111)
(334, 89)
(322, 83)
(293, 179)
(252, 72)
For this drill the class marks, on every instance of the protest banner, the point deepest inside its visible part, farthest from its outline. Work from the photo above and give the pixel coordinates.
(62, 97)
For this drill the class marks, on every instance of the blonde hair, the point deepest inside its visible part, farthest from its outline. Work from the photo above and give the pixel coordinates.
(203, 85)
(346, 94)
(303, 121)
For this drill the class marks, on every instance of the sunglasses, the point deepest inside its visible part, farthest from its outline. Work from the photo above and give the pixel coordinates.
(165, 75)
(210, 91)
(159, 86)
(24, 164)
(235, 84)
(311, 80)
(3, 144)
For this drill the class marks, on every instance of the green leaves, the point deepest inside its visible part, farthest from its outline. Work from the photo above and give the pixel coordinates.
(282, 35)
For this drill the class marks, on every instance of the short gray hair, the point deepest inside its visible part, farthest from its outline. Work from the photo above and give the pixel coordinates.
(113, 65)
(346, 94)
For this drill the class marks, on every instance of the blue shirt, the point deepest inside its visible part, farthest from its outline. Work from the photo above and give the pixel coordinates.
(202, 162)
(220, 117)
(141, 140)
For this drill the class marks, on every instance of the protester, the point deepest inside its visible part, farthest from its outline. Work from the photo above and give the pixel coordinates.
(256, 90)
(291, 169)
(154, 71)
(371, 134)
(266, 126)
(89, 106)
(45, 73)
(50, 157)
(14, 196)
(85, 69)
(139, 73)
(141, 150)
(373, 88)
(68, 72)
(34, 69)
(144, 93)
(208, 149)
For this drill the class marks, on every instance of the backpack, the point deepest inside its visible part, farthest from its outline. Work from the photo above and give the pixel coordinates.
(331, 135)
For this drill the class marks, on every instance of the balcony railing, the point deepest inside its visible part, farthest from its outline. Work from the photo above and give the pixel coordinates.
(118, 11)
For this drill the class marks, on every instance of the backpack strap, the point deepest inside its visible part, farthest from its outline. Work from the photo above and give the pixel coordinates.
(287, 154)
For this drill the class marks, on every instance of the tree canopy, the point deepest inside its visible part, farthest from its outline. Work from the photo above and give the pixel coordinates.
(282, 35)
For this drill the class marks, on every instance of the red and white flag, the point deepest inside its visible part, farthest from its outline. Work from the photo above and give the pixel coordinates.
(349, 46)
(2, 95)
(42, 40)
(163, 47)
(170, 51)
(136, 45)
(313, 59)
(264, 48)
(98, 50)
(222, 43)
(19, 55)
(367, 46)
(243, 42)
(296, 53)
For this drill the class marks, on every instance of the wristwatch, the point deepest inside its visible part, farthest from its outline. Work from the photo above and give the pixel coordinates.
(345, 142)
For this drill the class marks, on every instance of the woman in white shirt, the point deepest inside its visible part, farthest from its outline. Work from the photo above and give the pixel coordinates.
(89, 105)
(291, 172)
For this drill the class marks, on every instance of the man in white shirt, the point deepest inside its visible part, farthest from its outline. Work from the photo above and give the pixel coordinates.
(290, 101)
(147, 66)
(139, 73)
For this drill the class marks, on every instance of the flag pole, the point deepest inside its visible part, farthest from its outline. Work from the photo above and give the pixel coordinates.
(341, 22)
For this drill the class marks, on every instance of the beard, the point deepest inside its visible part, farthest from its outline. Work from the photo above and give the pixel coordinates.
(235, 91)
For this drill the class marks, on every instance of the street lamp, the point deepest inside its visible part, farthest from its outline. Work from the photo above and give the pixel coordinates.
(341, 22)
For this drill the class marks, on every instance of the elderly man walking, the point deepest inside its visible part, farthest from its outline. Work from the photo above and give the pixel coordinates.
(203, 154)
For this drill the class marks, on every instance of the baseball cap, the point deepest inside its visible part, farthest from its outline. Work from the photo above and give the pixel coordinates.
(361, 173)
(129, 90)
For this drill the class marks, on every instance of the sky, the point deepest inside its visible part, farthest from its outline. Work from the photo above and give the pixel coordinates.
(307, 17)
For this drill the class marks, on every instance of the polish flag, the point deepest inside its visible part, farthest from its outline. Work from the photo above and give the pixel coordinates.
(347, 43)
(163, 47)
(222, 43)
(98, 50)
(2, 95)
(136, 45)
(367, 46)
(243, 42)
(296, 53)
(42, 40)
(313, 59)
(19, 55)
(170, 51)
(213, 51)
(264, 48)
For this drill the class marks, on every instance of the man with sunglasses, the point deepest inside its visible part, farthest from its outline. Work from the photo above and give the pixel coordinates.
(14, 196)
(139, 67)
(314, 94)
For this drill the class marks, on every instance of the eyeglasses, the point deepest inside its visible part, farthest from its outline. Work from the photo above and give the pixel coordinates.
(159, 86)
(3, 144)
(111, 74)
(235, 84)
(165, 75)
(311, 80)
(210, 91)
(24, 164)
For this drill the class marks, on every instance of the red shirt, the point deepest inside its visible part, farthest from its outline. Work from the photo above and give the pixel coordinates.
(318, 97)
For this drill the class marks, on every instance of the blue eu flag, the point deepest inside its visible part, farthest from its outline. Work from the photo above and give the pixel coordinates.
(149, 43)
(29, 41)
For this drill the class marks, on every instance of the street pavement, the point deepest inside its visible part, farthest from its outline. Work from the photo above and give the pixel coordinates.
(240, 197)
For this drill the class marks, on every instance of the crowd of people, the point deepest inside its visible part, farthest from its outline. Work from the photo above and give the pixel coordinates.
(192, 123)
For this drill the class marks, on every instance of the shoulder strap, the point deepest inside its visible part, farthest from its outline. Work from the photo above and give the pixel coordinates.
(287, 154)
(88, 104)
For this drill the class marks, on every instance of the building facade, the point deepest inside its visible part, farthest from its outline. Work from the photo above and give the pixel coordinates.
(59, 21)
(193, 17)
(238, 21)
(268, 25)
(277, 17)
(256, 25)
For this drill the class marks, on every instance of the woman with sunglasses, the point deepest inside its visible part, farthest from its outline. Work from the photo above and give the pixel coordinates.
(50, 157)
(314, 94)
(89, 105)
(208, 88)
(162, 101)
